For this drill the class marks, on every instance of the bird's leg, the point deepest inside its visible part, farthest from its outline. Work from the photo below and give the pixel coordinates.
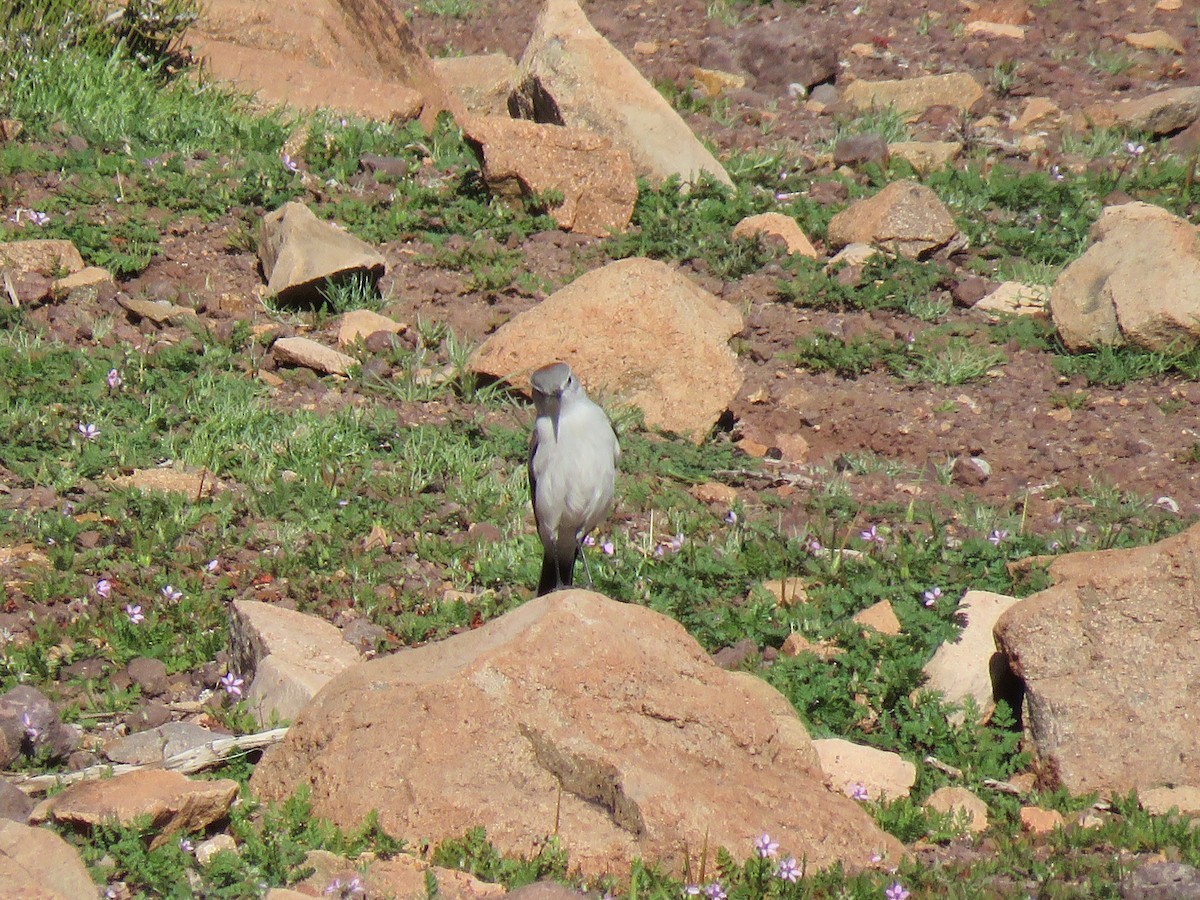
(586, 568)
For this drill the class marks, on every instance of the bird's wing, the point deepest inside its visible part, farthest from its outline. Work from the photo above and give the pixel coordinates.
(533, 447)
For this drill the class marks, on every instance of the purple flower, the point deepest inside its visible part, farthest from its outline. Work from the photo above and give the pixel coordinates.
(858, 791)
(1135, 150)
(765, 846)
(1056, 173)
(589, 541)
(104, 588)
(998, 535)
(135, 614)
(897, 891)
(814, 546)
(714, 891)
(731, 518)
(90, 431)
(232, 684)
(31, 731)
(114, 379)
(608, 548)
(290, 164)
(932, 596)
(788, 870)
(691, 890)
(186, 845)
(872, 535)
(172, 594)
(39, 218)
(212, 566)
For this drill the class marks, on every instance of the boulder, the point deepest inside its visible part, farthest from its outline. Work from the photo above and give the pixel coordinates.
(905, 218)
(300, 253)
(1109, 664)
(637, 330)
(46, 257)
(522, 160)
(570, 75)
(37, 863)
(289, 656)
(1138, 283)
(913, 96)
(604, 721)
(354, 56)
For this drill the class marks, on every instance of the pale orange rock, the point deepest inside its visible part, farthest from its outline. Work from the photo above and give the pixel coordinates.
(172, 801)
(360, 324)
(1154, 40)
(962, 803)
(714, 82)
(774, 224)
(1037, 110)
(1036, 820)
(168, 480)
(982, 29)
(787, 592)
(714, 492)
(881, 617)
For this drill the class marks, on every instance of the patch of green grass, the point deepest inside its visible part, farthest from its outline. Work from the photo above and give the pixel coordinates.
(823, 352)
(887, 122)
(887, 283)
(1115, 366)
(956, 361)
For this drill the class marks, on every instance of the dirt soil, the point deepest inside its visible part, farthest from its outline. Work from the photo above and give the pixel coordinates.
(1034, 429)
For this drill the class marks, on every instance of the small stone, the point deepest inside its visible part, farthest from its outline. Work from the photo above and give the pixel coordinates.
(962, 803)
(1040, 821)
(714, 492)
(362, 323)
(148, 674)
(218, 843)
(1015, 298)
(1154, 40)
(160, 312)
(983, 29)
(14, 804)
(787, 591)
(880, 617)
(777, 225)
(926, 156)
(1162, 881)
(860, 149)
(147, 715)
(714, 82)
(82, 286)
(970, 471)
(1037, 110)
(1161, 800)
(881, 774)
(736, 656)
(391, 166)
(299, 351)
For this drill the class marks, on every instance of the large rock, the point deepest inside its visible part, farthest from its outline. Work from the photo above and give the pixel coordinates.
(1108, 657)
(47, 257)
(289, 655)
(970, 666)
(1138, 283)
(300, 253)
(570, 75)
(913, 96)
(905, 218)
(523, 160)
(37, 863)
(635, 329)
(354, 56)
(604, 719)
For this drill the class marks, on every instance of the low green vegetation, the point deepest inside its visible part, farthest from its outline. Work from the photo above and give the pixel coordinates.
(290, 494)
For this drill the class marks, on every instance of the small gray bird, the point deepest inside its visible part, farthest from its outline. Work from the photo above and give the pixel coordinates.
(573, 456)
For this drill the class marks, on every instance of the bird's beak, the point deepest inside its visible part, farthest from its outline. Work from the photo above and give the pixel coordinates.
(553, 404)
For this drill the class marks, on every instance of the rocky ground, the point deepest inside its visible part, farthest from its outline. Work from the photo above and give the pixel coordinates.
(1024, 441)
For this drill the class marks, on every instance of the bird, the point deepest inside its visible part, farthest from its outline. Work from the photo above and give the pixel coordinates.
(573, 459)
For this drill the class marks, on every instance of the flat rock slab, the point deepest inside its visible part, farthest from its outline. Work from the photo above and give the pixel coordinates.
(173, 802)
(168, 480)
(1108, 657)
(636, 330)
(880, 773)
(160, 312)
(605, 718)
(913, 96)
(156, 744)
